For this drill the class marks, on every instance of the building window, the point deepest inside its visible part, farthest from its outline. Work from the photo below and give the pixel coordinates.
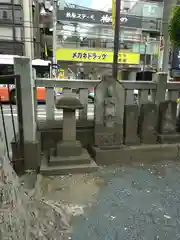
(5, 15)
(18, 32)
(6, 33)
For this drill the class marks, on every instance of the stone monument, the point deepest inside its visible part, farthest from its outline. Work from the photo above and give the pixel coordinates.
(108, 122)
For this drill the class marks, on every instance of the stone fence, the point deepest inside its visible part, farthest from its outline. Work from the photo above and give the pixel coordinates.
(123, 128)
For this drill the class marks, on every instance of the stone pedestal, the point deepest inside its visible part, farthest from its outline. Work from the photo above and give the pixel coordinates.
(69, 153)
(167, 123)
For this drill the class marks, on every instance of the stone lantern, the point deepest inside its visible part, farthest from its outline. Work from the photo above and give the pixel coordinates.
(69, 150)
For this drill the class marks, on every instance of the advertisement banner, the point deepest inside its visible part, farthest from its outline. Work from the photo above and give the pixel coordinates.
(83, 55)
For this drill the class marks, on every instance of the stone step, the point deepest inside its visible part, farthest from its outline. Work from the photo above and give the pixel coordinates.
(71, 160)
(45, 169)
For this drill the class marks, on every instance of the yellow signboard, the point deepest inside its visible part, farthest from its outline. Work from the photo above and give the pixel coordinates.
(84, 55)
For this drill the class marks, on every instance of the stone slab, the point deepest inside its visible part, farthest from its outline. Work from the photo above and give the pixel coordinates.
(142, 153)
(84, 158)
(131, 115)
(169, 138)
(167, 117)
(67, 169)
(148, 123)
(69, 148)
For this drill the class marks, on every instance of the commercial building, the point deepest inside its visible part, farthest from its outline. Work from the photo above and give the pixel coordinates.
(19, 28)
(11, 27)
(85, 36)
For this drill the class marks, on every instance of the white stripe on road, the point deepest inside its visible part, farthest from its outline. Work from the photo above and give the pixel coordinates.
(41, 112)
(43, 109)
(44, 115)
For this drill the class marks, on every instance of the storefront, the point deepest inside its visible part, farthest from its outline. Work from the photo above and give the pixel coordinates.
(85, 37)
(94, 63)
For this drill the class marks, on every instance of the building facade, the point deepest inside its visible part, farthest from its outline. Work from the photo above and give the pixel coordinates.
(84, 29)
(11, 27)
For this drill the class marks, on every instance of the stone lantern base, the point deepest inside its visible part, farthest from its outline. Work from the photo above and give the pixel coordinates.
(69, 148)
(67, 158)
(67, 153)
(58, 165)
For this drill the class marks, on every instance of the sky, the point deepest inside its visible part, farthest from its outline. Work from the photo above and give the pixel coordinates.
(95, 4)
(98, 4)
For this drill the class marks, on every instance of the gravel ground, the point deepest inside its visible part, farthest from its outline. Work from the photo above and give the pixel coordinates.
(128, 202)
(141, 202)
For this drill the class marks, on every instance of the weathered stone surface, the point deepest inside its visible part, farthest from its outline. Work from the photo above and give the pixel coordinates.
(69, 148)
(167, 117)
(109, 113)
(107, 137)
(148, 123)
(131, 116)
(167, 127)
(146, 153)
(69, 101)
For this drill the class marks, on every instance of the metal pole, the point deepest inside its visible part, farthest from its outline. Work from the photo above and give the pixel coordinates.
(54, 30)
(144, 62)
(14, 28)
(116, 39)
(28, 28)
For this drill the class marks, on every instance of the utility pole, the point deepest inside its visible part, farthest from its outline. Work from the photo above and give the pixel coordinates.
(167, 10)
(116, 39)
(54, 33)
(28, 29)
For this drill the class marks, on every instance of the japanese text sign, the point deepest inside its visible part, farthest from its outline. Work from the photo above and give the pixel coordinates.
(79, 55)
(96, 17)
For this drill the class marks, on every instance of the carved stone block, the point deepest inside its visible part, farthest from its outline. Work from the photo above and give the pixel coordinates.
(109, 137)
(131, 115)
(109, 113)
(148, 123)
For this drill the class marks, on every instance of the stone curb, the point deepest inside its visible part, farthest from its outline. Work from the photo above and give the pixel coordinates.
(131, 154)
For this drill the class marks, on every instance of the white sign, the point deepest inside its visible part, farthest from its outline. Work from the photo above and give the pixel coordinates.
(73, 15)
(108, 19)
(60, 4)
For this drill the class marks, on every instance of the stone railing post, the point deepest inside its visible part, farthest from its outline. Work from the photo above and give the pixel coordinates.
(161, 87)
(23, 67)
(83, 96)
(130, 93)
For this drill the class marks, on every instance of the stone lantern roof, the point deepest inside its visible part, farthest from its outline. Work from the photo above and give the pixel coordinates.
(69, 101)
